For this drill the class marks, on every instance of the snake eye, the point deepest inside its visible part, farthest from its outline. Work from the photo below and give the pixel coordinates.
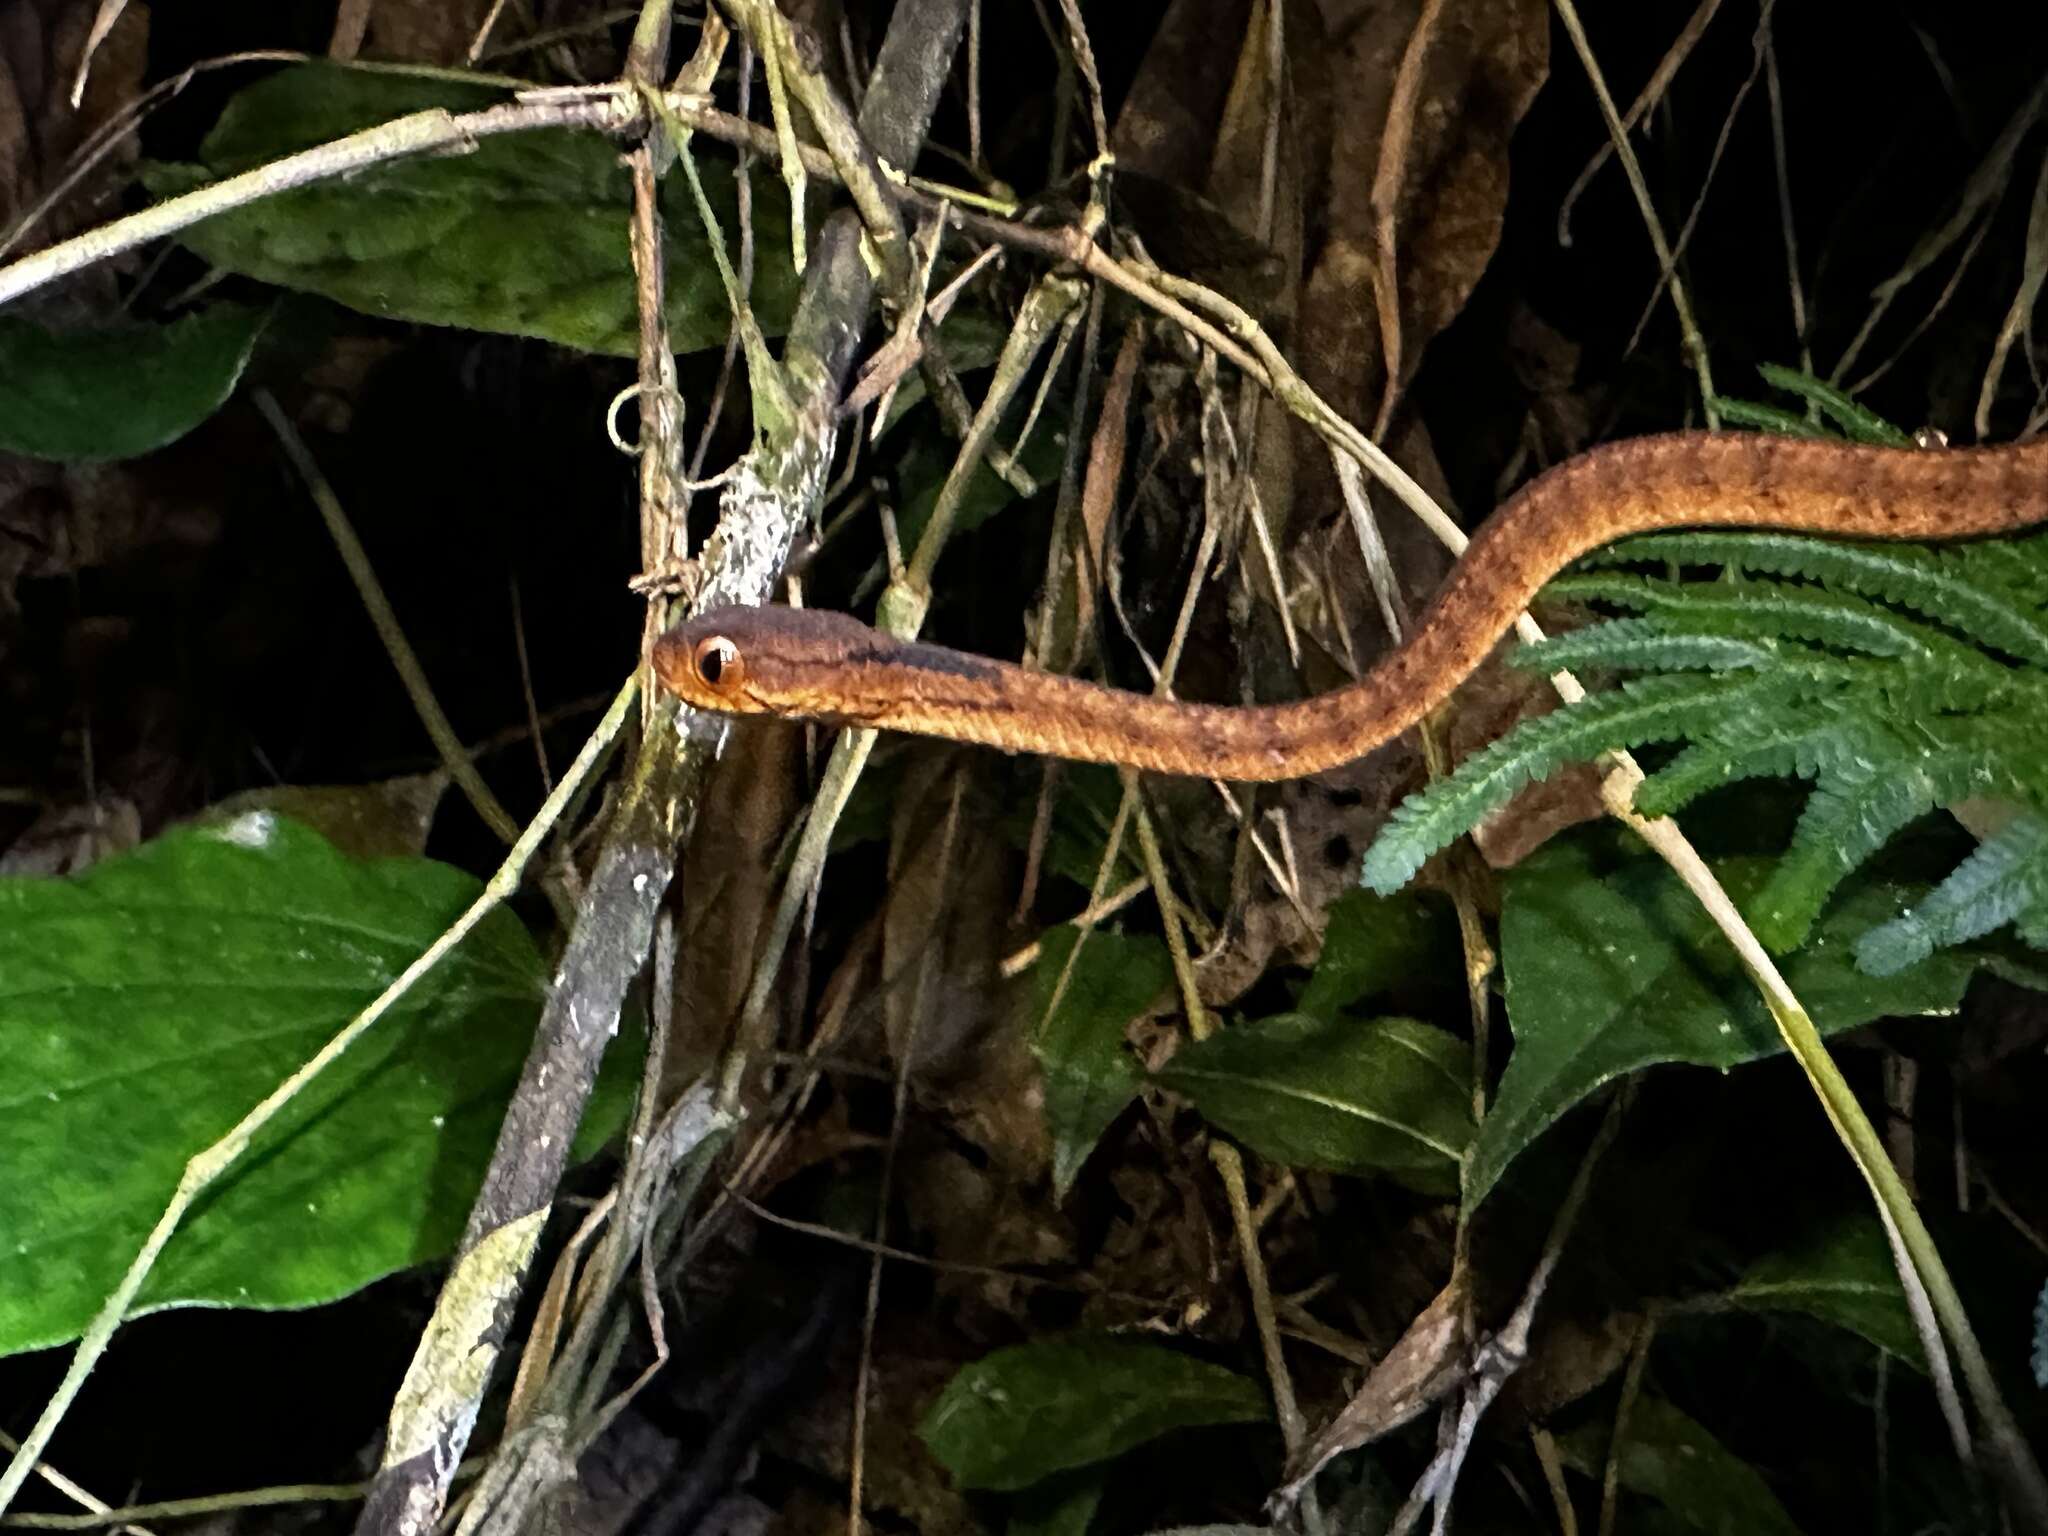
(717, 663)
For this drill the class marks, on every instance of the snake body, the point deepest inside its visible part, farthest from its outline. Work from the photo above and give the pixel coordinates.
(817, 665)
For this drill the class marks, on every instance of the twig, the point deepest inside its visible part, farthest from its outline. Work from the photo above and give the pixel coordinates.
(1199, 1023)
(1231, 1167)
(1788, 226)
(904, 614)
(418, 134)
(1388, 175)
(768, 31)
(1681, 305)
(204, 1504)
(1084, 62)
(906, 1058)
(95, 1508)
(1617, 1436)
(1652, 92)
(454, 756)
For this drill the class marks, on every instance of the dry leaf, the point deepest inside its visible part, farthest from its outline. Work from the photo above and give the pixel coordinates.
(1426, 1363)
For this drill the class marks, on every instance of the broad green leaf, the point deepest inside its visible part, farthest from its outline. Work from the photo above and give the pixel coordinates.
(1089, 1076)
(1059, 1506)
(1611, 966)
(148, 1004)
(1351, 1096)
(1374, 944)
(118, 391)
(1670, 1457)
(525, 235)
(1024, 1413)
(929, 458)
(1845, 1277)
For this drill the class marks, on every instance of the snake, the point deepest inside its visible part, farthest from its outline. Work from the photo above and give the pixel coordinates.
(810, 664)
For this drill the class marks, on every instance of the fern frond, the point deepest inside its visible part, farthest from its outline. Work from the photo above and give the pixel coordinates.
(1985, 591)
(1766, 418)
(1854, 811)
(2002, 879)
(1651, 709)
(1857, 422)
(1920, 689)
(1643, 645)
(1763, 744)
(1841, 621)
(2032, 925)
(2017, 568)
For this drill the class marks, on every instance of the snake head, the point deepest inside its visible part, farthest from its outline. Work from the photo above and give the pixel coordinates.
(754, 661)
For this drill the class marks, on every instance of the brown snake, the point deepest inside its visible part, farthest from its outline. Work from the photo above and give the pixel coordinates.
(816, 665)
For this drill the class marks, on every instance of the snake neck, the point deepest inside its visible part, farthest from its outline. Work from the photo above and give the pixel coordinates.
(1690, 480)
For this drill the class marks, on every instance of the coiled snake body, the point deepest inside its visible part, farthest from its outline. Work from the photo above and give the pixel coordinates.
(818, 665)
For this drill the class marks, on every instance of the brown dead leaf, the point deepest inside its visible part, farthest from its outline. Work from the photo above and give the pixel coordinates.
(945, 931)
(730, 884)
(41, 45)
(68, 838)
(900, 1477)
(1568, 1357)
(1169, 116)
(387, 819)
(57, 520)
(1099, 487)
(1426, 1363)
(425, 31)
(1441, 173)
(1319, 830)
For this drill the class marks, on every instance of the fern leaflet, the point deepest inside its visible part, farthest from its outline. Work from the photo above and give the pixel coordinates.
(1646, 710)
(2005, 877)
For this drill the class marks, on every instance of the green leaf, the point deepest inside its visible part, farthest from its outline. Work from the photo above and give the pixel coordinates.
(1089, 1076)
(1766, 418)
(86, 396)
(1846, 1277)
(929, 456)
(1373, 944)
(2004, 877)
(1645, 710)
(1024, 1413)
(1856, 422)
(1954, 587)
(1670, 1457)
(1851, 814)
(524, 235)
(1611, 966)
(1381, 1096)
(148, 1004)
(1059, 1506)
(1642, 645)
(1763, 610)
